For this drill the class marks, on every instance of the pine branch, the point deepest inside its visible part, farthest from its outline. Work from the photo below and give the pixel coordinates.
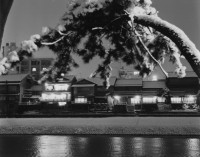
(52, 43)
(147, 50)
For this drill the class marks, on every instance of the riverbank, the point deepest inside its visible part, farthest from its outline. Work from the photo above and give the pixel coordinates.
(186, 126)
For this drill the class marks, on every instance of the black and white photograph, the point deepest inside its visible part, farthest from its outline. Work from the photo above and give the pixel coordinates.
(99, 78)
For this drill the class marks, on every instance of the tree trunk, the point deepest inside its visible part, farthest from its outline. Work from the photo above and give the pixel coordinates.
(5, 6)
(185, 45)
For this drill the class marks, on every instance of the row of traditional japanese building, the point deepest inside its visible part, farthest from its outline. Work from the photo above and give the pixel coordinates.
(89, 94)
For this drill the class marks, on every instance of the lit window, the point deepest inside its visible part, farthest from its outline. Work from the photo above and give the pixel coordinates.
(176, 100)
(189, 99)
(80, 100)
(62, 103)
(48, 87)
(117, 97)
(154, 78)
(61, 87)
(34, 69)
(149, 100)
(56, 87)
(44, 69)
(54, 96)
(136, 72)
(161, 99)
(136, 100)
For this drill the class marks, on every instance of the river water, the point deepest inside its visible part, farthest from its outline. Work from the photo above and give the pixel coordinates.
(98, 146)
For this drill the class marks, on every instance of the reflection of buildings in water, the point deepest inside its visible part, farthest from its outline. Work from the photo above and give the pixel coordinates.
(138, 145)
(54, 146)
(116, 146)
(83, 141)
(193, 147)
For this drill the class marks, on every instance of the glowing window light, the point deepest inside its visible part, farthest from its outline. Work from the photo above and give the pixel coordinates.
(161, 99)
(34, 69)
(136, 100)
(48, 87)
(136, 72)
(154, 78)
(61, 87)
(117, 97)
(62, 103)
(176, 100)
(80, 100)
(44, 69)
(56, 87)
(54, 96)
(149, 100)
(189, 99)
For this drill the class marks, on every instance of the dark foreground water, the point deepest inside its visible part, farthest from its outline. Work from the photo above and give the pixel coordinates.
(98, 146)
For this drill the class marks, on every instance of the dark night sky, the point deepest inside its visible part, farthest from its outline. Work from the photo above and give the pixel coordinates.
(27, 17)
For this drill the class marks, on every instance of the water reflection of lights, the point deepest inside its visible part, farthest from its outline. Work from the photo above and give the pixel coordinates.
(116, 144)
(138, 146)
(82, 142)
(193, 147)
(138, 143)
(156, 142)
(53, 146)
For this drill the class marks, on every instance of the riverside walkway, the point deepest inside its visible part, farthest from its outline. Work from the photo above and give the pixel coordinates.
(106, 126)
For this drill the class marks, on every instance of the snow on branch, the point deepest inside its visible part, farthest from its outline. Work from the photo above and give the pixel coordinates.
(52, 43)
(147, 50)
(184, 44)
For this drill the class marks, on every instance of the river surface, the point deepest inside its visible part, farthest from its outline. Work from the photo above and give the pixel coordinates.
(98, 146)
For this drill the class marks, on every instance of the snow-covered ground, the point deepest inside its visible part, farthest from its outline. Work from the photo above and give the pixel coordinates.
(111, 125)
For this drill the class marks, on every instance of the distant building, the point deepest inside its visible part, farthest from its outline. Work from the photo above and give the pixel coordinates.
(12, 89)
(33, 66)
(128, 74)
(8, 48)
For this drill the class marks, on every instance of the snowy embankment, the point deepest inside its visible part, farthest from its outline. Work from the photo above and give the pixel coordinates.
(110, 126)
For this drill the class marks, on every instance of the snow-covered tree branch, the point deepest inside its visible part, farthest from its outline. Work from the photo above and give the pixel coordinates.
(132, 29)
(185, 45)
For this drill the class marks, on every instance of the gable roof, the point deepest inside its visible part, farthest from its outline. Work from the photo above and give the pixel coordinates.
(96, 80)
(84, 81)
(12, 77)
(69, 77)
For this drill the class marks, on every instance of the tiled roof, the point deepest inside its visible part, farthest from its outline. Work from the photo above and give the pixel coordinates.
(12, 77)
(188, 74)
(154, 84)
(128, 82)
